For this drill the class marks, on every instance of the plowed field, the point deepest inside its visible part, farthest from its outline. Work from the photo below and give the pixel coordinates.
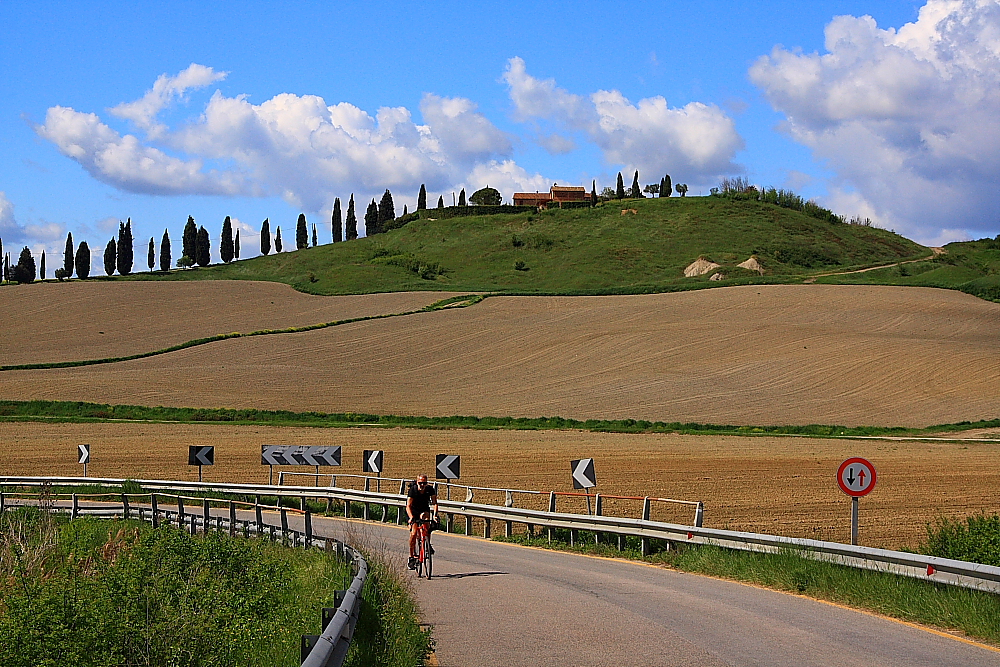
(50, 322)
(749, 355)
(774, 485)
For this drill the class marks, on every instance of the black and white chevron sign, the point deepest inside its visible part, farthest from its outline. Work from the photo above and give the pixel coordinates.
(373, 461)
(583, 473)
(288, 455)
(201, 455)
(448, 466)
(84, 453)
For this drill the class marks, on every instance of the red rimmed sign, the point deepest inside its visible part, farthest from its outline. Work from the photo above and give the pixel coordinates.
(856, 477)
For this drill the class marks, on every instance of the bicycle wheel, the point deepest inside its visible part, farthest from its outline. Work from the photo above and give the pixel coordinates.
(428, 557)
(420, 559)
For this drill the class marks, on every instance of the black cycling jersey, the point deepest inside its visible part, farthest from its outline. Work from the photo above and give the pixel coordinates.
(421, 499)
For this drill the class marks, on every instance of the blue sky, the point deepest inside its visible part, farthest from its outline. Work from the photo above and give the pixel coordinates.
(157, 111)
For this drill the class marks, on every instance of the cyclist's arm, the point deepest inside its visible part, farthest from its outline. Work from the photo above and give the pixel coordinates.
(434, 503)
(409, 508)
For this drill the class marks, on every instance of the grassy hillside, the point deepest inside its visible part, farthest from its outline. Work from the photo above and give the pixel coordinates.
(577, 250)
(971, 266)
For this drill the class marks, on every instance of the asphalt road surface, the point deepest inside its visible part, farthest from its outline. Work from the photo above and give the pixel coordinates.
(499, 604)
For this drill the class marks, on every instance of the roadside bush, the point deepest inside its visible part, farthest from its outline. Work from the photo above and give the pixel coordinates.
(975, 539)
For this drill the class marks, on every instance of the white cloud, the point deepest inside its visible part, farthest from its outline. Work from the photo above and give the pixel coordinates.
(40, 235)
(167, 88)
(507, 177)
(908, 119)
(557, 144)
(696, 143)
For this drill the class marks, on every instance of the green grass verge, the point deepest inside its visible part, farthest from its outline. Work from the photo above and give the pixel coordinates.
(72, 411)
(573, 251)
(99, 592)
(975, 613)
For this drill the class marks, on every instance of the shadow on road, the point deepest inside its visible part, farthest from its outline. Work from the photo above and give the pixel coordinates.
(463, 575)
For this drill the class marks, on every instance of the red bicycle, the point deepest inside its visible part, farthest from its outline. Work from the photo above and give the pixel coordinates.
(425, 552)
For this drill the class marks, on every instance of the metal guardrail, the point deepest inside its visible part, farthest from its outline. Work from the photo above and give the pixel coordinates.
(929, 568)
(328, 649)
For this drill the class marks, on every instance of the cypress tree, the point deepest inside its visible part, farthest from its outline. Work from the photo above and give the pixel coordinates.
(620, 190)
(236, 244)
(461, 198)
(165, 252)
(3, 276)
(666, 187)
(226, 242)
(371, 219)
(441, 201)
(83, 260)
(335, 222)
(404, 211)
(315, 238)
(125, 252)
(265, 237)
(351, 225)
(203, 248)
(151, 255)
(6, 268)
(386, 211)
(24, 270)
(189, 240)
(593, 193)
(110, 258)
(636, 191)
(301, 233)
(41, 267)
(68, 255)
(422, 198)
(277, 239)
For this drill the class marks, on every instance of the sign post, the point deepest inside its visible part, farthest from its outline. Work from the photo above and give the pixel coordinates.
(856, 477)
(449, 467)
(583, 476)
(84, 452)
(201, 455)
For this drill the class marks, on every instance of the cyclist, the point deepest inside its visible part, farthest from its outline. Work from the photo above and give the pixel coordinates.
(419, 500)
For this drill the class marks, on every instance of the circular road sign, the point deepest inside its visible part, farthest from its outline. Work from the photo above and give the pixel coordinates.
(856, 477)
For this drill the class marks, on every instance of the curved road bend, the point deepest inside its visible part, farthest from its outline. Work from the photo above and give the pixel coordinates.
(500, 604)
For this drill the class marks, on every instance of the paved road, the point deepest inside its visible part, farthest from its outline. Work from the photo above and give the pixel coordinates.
(500, 604)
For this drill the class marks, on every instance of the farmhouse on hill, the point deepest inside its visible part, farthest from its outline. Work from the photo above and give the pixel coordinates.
(557, 194)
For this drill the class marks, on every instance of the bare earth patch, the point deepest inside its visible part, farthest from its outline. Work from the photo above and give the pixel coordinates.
(774, 485)
(94, 320)
(825, 354)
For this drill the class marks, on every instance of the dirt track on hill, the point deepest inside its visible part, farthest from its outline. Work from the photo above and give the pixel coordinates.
(773, 485)
(749, 355)
(94, 320)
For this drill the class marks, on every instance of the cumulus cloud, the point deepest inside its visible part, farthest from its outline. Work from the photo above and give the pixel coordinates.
(696, 142)
(908, 119)
(298, 147)
(39, 235)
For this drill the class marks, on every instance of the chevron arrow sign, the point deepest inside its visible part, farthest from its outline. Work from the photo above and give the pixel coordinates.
(286, 455)
(199, 455)
(583, 473)
(84, 453)
(373, 461)
(449, 466)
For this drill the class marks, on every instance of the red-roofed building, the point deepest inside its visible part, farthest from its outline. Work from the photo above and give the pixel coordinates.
(556, 195)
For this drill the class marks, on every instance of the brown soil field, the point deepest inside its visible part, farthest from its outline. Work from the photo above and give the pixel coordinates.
(748, 355)
(775, 485)
(94, 320)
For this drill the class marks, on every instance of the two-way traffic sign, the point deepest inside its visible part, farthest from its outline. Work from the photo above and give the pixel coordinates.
(201, 455)
(583, 473)
(448, 466)
(856, 477)
(373, 459)
(288, 455)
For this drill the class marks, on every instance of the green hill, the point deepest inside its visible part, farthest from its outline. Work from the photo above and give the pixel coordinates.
(580, 250)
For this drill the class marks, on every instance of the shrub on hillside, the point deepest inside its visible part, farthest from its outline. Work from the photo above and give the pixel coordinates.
(975, 539)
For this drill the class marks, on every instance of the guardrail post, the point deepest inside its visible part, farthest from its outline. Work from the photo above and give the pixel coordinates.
(309, 529)
(284, 524)
(2, 507)
(259, 515)
(75, 507)
(486, 529)
(468, 525)
(400, 513)
(385, 513)
(232, 519)
(645, 517)
(552, 508)
(448, 520)
(402, 487)
(347, 508)
(699, 514)
(598, 511)
(180, 512)
(302, 503)
(367, 510)
(572, 536)
(206, 516)
(508, 529)
(125, 507)
(155, 510)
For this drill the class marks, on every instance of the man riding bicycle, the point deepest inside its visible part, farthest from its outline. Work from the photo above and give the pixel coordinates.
(419, 500)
